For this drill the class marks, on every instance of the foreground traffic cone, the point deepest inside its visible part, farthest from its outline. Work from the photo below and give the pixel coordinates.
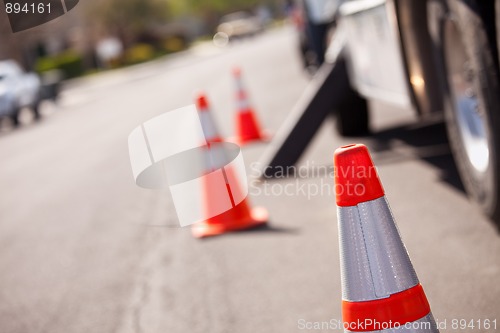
(380, 289)
(208, 125)
(241, 215)
(247, 125)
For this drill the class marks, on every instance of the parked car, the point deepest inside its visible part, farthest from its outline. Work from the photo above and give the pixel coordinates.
(51, 84)
(17, 90)
(437, 57)
(239, 24)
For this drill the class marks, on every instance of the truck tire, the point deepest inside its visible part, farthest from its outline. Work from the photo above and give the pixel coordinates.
(471, 91)
(14, 117)
(353, 116)
(36, 110)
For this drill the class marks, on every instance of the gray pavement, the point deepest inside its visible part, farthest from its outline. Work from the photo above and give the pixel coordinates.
(82, 249)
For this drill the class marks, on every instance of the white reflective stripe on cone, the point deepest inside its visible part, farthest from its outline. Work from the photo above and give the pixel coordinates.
(239, 84)
(208, 125)
(426, 324)
(243, 105)
(374, 260)
(215, 157)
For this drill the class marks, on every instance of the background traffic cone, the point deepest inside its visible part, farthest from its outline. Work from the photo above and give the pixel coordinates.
(241, 215)
(380, 289)
(247, 125)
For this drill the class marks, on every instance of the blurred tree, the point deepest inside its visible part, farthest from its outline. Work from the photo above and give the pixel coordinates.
(221, 6)
(128, 18)
(211, 10)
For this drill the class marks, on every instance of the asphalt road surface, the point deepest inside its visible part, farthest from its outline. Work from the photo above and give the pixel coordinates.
(83, 249)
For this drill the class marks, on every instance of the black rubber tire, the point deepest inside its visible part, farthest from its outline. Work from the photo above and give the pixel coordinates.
(14, 117)
(463, 15)
(36, 111)
(353, 116)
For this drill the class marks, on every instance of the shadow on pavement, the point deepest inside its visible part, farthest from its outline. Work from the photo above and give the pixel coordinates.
(426, 141)
(266, 228)
(270, 228)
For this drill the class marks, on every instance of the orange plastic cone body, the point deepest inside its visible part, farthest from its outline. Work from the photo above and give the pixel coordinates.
(241, 215)
(247, 125)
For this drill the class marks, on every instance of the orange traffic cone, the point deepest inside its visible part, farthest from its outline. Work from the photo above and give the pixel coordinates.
(247, 125)
(380, 289)
(241, 215)
(210, 130)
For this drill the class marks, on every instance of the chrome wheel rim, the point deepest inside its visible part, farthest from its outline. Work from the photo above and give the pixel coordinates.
(470, 122)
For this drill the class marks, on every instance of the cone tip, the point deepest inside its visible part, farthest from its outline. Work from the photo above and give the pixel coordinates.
(236, 71)
(201, 101)
(356, 178)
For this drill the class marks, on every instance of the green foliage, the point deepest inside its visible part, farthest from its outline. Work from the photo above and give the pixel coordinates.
(70, 63)
(134, 15)
(139, 53)
(182, 7)
(210, 11)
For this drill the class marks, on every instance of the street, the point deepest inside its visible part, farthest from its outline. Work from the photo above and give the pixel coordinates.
(83, 249)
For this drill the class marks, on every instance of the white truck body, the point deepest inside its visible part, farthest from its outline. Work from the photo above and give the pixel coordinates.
(375, 62)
